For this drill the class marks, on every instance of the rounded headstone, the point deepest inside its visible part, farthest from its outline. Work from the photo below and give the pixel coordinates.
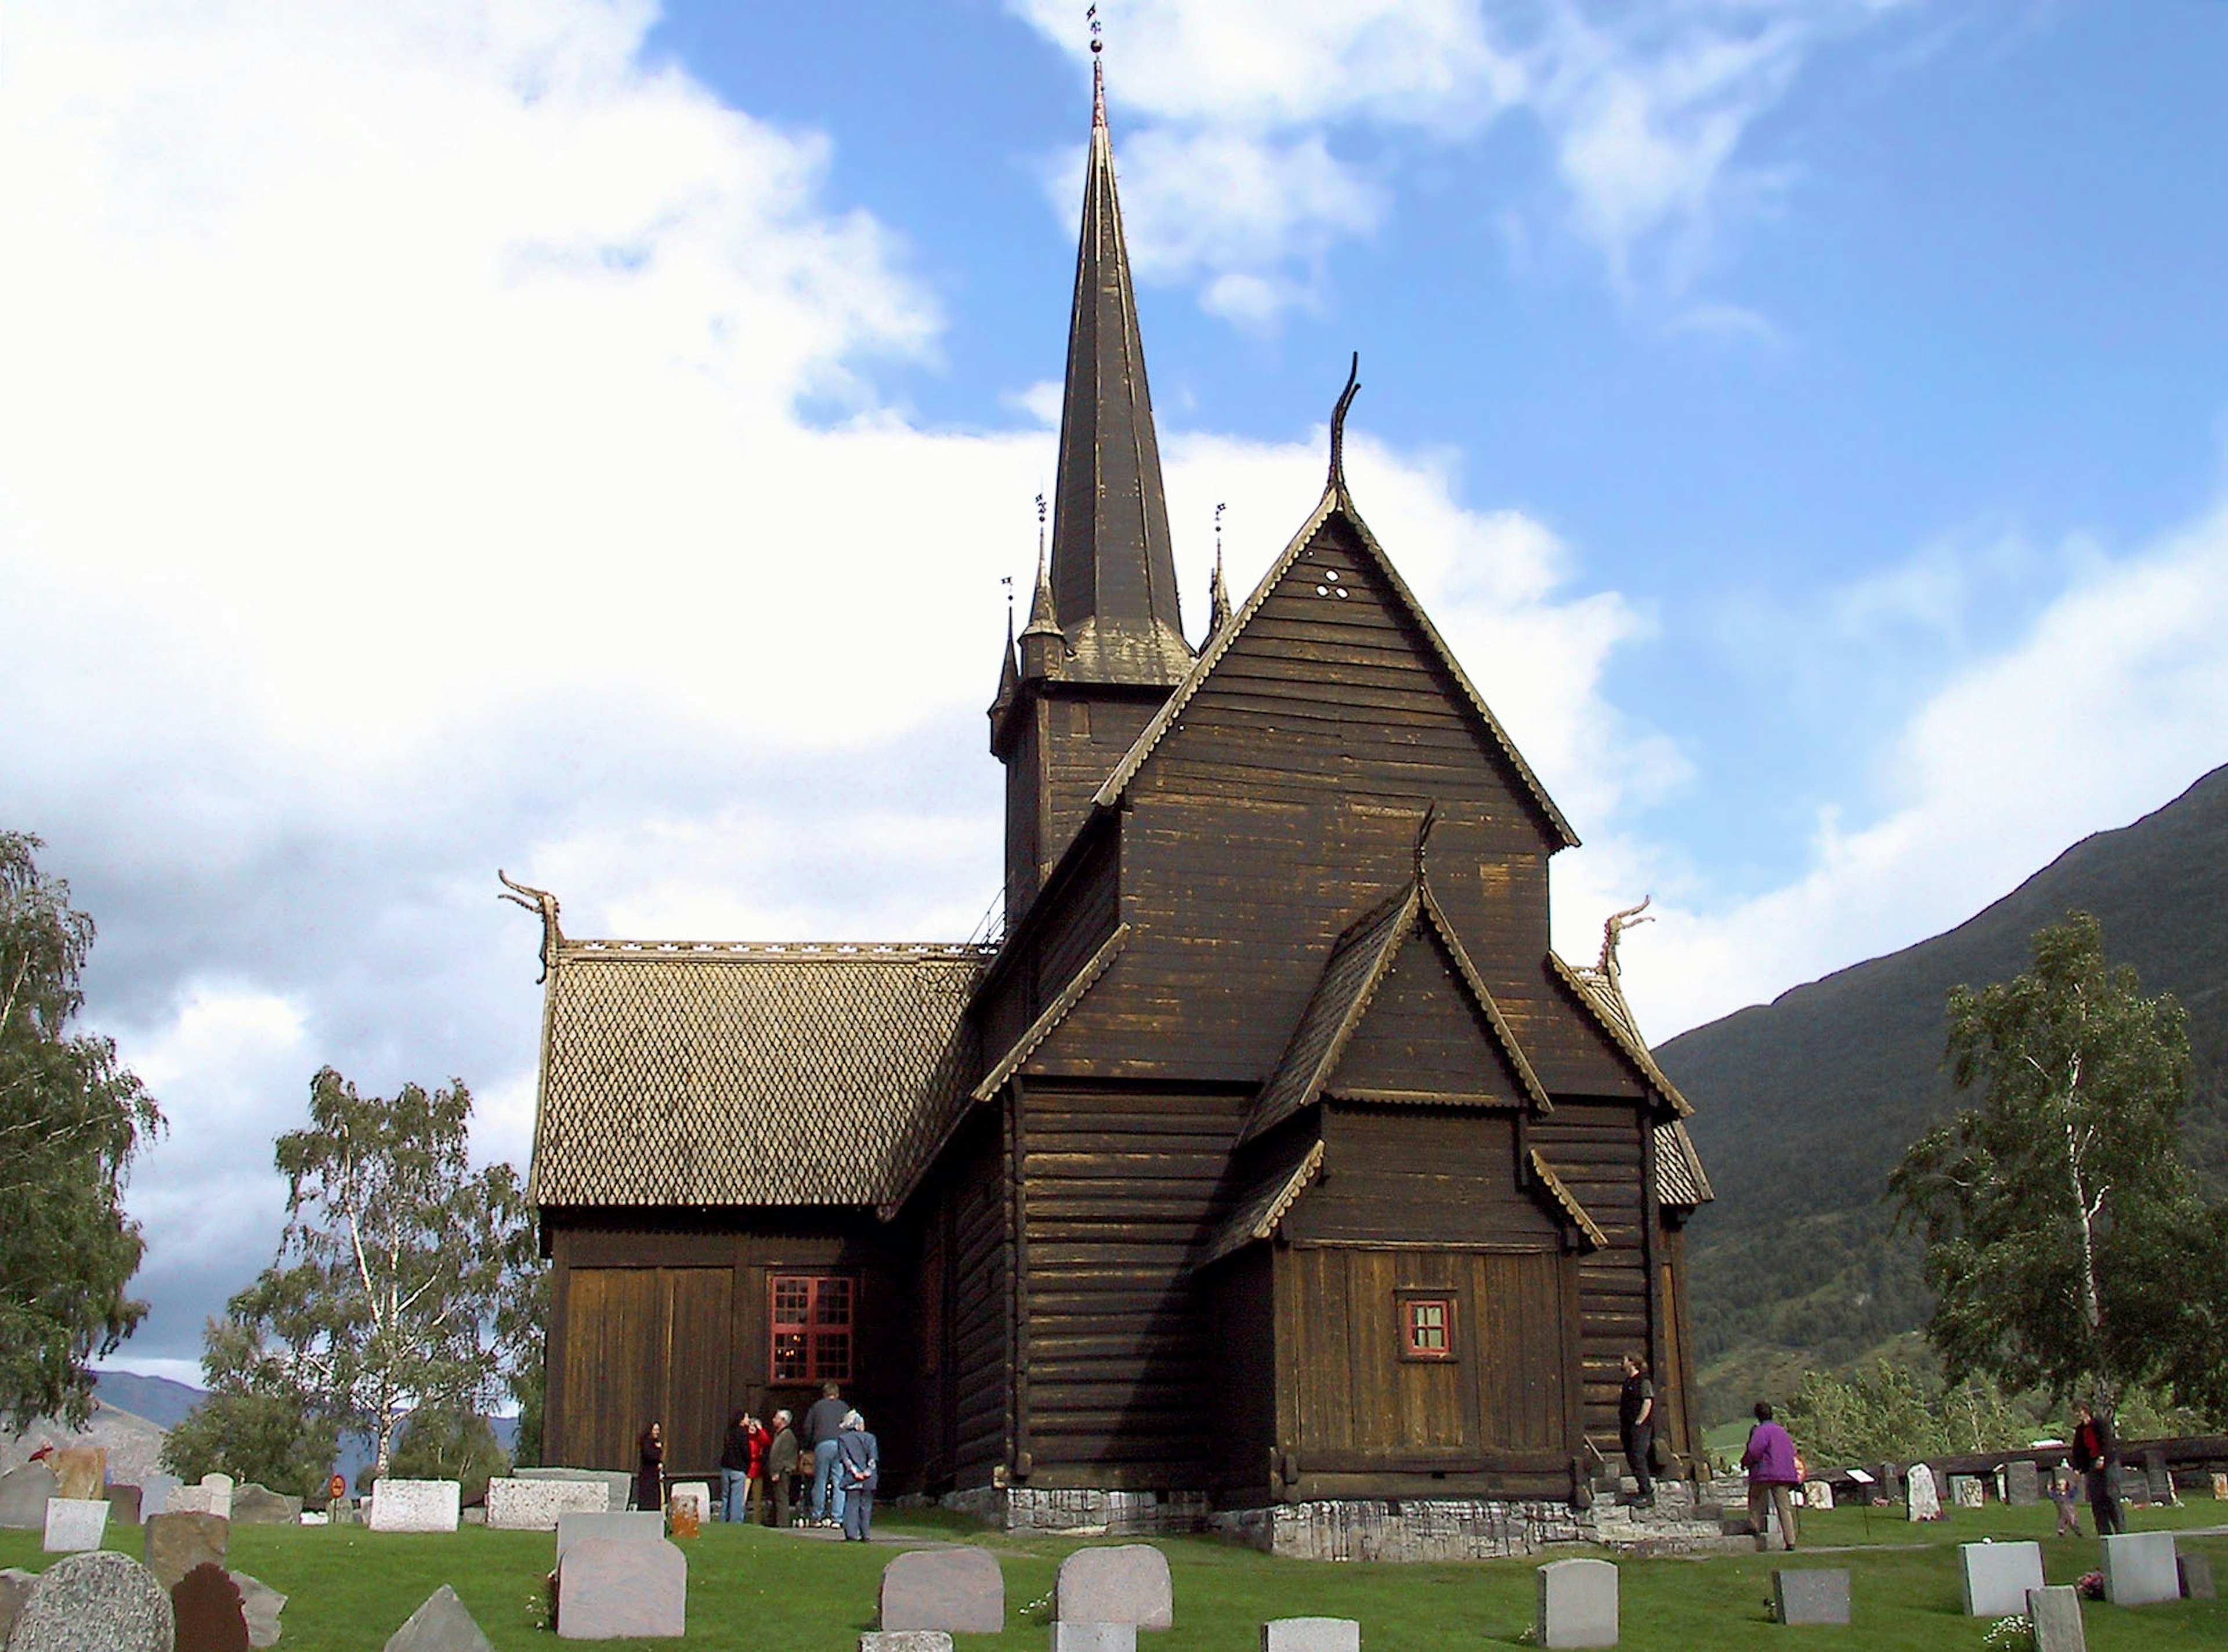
(101, 1602)
(211, 1615)
(958, 1591)
(175, 1543)
(1125, 1584)
(25, 1493)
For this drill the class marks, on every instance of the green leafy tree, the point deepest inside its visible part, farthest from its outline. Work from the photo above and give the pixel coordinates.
(72, 1118)
(442, 1445)
(398, 1261)
(1887, 1412)
(2061, 1221)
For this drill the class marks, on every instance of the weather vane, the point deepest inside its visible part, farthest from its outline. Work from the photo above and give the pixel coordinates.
(1091, 16)
(1219, 510)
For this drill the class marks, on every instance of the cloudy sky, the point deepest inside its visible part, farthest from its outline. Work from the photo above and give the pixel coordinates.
(588, 439)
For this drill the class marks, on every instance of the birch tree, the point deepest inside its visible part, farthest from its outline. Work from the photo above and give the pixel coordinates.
(2060, 1218)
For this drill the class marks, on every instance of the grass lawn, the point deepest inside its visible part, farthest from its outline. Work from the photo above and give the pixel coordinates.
(750, 1589)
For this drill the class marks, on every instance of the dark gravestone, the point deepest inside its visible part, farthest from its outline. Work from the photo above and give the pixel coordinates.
(254, 1505)
(2156, 1478)
(175, 1543)
(441, 1625)
(2196, 1577)
(124, 1505)
(1811, 1597)
(958, 1591)
(2022, 1484)
(24, 1494)
(212, 1616)
(97, 1602)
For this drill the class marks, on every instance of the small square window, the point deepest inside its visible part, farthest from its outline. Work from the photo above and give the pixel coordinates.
(1427, 1325)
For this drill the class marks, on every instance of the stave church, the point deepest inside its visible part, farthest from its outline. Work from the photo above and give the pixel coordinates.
(1270, 1170)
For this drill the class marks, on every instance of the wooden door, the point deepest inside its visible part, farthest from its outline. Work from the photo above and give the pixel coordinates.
(644, 1344)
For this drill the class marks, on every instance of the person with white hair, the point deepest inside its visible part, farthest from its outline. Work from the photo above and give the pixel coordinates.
(858, 1471)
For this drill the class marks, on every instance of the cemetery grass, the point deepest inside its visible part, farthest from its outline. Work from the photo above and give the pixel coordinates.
(748, 1589)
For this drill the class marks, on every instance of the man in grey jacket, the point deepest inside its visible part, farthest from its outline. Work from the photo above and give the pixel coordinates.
(821, 1425)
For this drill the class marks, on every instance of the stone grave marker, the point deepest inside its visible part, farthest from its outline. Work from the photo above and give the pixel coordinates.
(960, 1590)
(515, 1505)
(1997, 1577)
(199, 1500)
(220, 1488)
(1125, 1584)
(25, 1493)
(14, 1590)
(175, 1543)
(1967, 1491)
(2022, 1484)
(2157, 1476)
(441, 1625)
(1891, 1482)
(254, 1505)
(211, 1615)
(99, 1602)
(1818, 1493)
(1093, 1637)
(610, 1589)
(2055, 1615)
(261, 1604)
(79, 1472)
(618, 1485)
(155, 1493)
(416, 1505)
(640, 1525)
(691, 1494)
(1578, 1603)
(74, 1524)
(1312, 1635)
(124, 1505)
(1811, 1597)
(1925, 1502)
(2140, 1569)
(2220, 1488)
(2196, 1577)
(904, 1640)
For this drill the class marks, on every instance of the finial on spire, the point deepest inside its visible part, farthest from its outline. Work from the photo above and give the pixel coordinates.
(1218, 594)
(1097, 68)
(1042, 604)
(1338, 425)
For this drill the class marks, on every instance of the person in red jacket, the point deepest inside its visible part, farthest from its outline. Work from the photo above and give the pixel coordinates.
(1773, 1473)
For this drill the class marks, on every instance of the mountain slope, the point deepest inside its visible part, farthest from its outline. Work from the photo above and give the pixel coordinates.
(1804, 1104)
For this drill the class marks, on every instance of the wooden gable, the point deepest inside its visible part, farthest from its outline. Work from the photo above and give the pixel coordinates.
(1422, 1038)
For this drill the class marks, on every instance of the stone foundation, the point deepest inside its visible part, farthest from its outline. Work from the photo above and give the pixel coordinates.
(1084, 1514)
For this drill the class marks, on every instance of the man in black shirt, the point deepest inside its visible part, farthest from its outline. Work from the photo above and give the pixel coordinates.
(1635, 1424)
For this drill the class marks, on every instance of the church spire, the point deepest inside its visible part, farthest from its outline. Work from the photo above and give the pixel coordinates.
(1113, 574)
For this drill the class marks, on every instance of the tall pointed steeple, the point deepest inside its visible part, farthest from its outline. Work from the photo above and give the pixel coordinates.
(1113, 574)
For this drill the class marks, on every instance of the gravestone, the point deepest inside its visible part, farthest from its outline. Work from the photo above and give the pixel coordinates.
(515, 1505)
(610, 1589)
(199, 1500)
(1967, 1492)
(175, 1543)
(2055, 1615)
(260, 1604)
(1817, 1494)
(2220, 1488)
(1126, 1583)
(74, 1524)
(618, 1486)
(1997, 1577)
(2022, 1484)
(1312, 1635)
(79, 1472)
(2139, 1568)
(14, 1590)
(2157, 1477)
(1891, 1482)
(254, 1505)
(416, 1506)
(441, 1625)
(124, 1505)
(100, 1602)
(1925, 1504)
(155, 1493)
(211, 1615)
(25, 1493)
(1578, 1603)
(220, 1488)
(904, 1640)
(2196, 1577)
(640, 1525)
(1811, 1597)
(1093, 1637)
(960, 1590)
(691, 1494)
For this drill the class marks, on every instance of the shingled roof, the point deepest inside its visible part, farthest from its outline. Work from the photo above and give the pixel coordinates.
(682, 1073)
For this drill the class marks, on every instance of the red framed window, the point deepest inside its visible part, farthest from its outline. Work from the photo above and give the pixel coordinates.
(1427, 1325)
(813, 1318)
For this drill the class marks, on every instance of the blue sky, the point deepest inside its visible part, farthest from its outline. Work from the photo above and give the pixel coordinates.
(588, 439)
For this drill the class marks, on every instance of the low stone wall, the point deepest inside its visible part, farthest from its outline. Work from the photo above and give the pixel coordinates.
(1409, 1529)
(1084, 1514)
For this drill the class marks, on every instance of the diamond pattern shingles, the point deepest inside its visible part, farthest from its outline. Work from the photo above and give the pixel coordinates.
(728, 1075)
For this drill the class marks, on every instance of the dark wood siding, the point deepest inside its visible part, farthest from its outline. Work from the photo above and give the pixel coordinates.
(1422, 1176)
(1596, 1150)
(1245, 1306)
(980, 1303)
(1422, 1034)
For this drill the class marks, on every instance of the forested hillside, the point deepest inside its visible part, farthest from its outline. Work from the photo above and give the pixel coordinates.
(1804, 1104)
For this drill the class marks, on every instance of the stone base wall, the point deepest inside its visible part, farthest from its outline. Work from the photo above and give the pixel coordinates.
(1452, 1528)
(1084, 1514)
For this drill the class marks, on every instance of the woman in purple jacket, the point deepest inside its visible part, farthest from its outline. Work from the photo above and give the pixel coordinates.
(1772, 1477)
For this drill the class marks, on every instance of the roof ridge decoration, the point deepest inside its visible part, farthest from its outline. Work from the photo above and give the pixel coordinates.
(1586, 1224)
(1336, 500)
(1054, 1012)
(1614, 1018)
(544, 905)
(775, 951)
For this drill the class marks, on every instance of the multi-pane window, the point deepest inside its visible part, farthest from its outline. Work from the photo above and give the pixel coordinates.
(1427, 1325)
(812, 1318)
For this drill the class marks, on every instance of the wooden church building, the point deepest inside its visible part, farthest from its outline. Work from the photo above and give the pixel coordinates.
(1272, 1160)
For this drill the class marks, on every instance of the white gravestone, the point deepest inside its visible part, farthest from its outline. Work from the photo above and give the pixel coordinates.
(1970, 1493)
(75, 1524)
(692, 1494)
(1079, 1636)
(617, 1483)
(2140, 1569)
(1578, 1603)
(1125, 1584)
(1997, 1577)
(535, 1505)
(1817, 1495)
(1925, 1502)
(198, 1499)
(1312, 1635)
(220, 1488)
(905, 1640)
(641, 1525)
(2055, 1615)
(415, 1506)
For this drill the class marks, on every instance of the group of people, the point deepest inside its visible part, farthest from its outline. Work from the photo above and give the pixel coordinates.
(833, 1466)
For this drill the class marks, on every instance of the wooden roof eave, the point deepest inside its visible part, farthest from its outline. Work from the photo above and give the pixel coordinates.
(1251, 1228)
(1336, 500)
(1054, 1012)
(1630, 1048)
(1567, 1201)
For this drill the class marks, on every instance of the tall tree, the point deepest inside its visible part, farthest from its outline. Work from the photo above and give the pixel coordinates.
(397, 1260)
(2060, 1218)
(72, 1118)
